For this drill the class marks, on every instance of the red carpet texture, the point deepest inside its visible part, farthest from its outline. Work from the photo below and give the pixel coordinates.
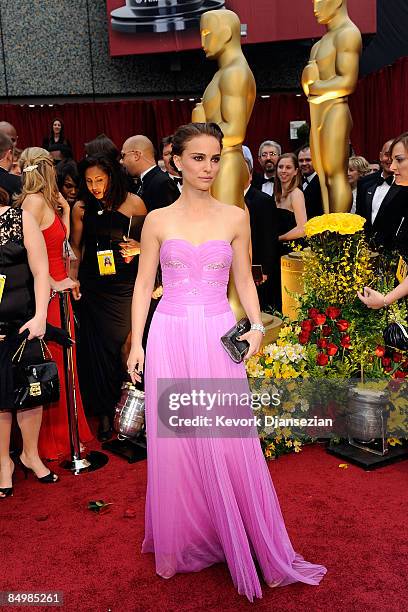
(351, 521)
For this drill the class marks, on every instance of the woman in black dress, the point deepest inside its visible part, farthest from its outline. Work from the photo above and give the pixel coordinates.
(105, 234)
(56, 135)
(24, 293)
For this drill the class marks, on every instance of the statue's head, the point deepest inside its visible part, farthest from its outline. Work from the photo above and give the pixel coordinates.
(325, 10)
(218, 30)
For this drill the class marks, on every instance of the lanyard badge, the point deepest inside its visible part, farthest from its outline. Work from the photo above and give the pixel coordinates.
(2, 283)
(106, 262)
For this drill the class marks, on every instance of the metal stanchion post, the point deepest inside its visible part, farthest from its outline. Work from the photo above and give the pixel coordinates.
(93, 460)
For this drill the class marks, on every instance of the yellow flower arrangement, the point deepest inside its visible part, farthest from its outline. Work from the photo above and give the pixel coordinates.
(342, 223)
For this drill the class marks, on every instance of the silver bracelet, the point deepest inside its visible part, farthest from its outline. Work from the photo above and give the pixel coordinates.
(258, 327)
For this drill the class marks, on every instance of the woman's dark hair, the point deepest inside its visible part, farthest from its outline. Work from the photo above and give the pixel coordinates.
(117, 189)
(403, 139)
(62, 135)
(102, 145)
(187, 132)
(64, 169)
(4, 197)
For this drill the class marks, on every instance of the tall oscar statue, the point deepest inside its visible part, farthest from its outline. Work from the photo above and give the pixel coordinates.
(327, 80)
(228, 101)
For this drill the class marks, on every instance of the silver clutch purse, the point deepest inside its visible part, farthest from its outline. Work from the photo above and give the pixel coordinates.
(236, 349)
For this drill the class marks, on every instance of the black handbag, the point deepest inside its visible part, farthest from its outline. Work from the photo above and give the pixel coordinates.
(35, 383)
(236, 349)
(396, 336)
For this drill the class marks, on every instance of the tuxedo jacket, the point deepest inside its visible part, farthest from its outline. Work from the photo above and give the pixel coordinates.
(264, 228)
(258, 181)
(10, 182)
(390, 226)
(363, 184)
(313, 198)
(157, 190)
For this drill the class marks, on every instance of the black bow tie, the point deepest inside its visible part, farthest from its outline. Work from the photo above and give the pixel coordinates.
(178, 181)
(381, 180)
(268, 180)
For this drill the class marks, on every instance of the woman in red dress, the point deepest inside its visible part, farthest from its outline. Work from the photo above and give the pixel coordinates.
(40, 196)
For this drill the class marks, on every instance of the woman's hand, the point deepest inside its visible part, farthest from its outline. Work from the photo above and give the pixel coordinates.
(63, 202)
(129, 249)
(254, 337)
(64, 284)
(135, 363)
(371, 298)
(36, 327)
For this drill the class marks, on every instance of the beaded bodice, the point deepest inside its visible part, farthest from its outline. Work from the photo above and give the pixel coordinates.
(195, 274)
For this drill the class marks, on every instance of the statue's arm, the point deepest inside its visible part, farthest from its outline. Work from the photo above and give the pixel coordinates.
(234, 87)
(348, 48)
(198, 115)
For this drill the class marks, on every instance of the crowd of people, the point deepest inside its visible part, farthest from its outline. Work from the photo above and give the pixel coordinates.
(145, 252)
(91, 215)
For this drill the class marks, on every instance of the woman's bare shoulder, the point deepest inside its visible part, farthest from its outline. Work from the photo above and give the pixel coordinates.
(36, 200)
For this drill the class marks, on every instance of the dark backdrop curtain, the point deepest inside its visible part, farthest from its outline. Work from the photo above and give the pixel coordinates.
(379, 108)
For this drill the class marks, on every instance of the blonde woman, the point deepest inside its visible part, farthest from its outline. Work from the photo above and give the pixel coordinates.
(40, 196)
(357, 167)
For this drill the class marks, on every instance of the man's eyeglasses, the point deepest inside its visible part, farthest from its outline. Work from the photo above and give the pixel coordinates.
(124, 153)
(270, 154)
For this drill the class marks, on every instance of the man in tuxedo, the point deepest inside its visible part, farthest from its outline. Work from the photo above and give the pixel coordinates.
(10, 182)
(310, 184)
(380, 202)
(155, 187)
(268, 155)
(166, 146)
(264, 236)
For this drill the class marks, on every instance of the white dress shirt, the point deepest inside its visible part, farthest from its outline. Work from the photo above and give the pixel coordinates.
(308, 179)
(378, 197)
(268, 186)
(353, 206)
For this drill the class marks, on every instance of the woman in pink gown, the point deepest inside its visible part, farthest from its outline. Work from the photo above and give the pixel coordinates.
(209, 499)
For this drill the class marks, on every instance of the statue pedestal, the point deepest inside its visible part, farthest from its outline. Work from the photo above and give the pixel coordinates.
(272, 328)
(292, 280)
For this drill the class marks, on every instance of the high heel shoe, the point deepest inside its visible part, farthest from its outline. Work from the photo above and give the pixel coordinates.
(105, 431)
(7, 491)
(47, 479)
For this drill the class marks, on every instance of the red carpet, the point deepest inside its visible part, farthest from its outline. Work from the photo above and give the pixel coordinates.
(351, 521)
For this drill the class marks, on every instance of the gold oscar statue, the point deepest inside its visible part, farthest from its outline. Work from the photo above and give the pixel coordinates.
(228, 101)
(327, 80)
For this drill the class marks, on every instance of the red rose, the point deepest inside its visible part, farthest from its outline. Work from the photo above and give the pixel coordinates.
(388, 369)
(304, 337)
(380, 351)
(313, 312)
(342, 325)
(307, 325)
(319, 319)
(399, 374)
(326, 330)
(322, 359)
(386, 362)
(345, 341)
(333, 312)
(332, 349)
(397, 357)
(322, 343)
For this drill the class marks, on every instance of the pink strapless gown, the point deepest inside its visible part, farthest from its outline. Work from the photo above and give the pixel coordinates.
(209, 500)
